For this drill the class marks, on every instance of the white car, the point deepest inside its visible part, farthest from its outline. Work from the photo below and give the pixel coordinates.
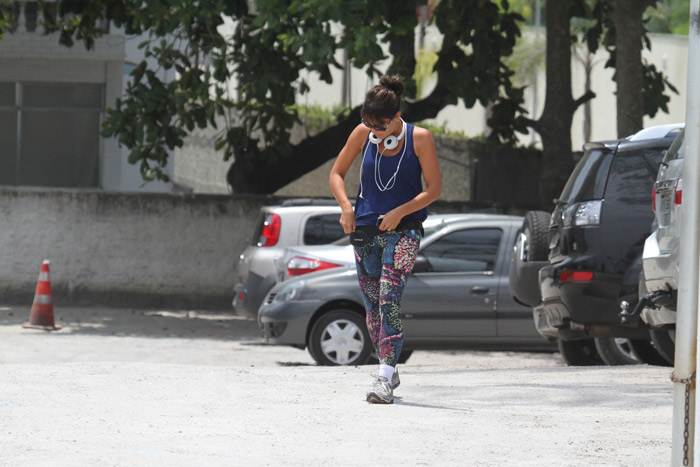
(293, 222)
(658, 289)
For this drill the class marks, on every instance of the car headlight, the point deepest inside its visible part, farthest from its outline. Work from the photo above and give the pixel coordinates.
(289, 292)
(584, 213)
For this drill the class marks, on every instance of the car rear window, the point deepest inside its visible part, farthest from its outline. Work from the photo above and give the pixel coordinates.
(323, 229)
(632, 176)
(587, 181)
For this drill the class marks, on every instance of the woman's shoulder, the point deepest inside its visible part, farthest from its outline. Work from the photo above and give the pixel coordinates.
(422, 135)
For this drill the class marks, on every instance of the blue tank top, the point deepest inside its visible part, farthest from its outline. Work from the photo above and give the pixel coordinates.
(371, 201)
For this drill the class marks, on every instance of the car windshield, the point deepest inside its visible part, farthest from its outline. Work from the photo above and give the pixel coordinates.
(588, 178)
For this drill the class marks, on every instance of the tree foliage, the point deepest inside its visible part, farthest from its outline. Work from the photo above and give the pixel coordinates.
(241, 70)
(248, 75)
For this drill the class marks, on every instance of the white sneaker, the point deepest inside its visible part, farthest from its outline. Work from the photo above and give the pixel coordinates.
(380, 392)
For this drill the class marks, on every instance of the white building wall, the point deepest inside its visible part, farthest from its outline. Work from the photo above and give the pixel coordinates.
(32, 56)
(669, 54)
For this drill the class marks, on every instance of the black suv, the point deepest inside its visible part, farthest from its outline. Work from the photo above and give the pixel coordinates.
(588, 258)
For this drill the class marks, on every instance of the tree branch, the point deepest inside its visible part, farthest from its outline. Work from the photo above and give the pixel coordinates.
(583, 99)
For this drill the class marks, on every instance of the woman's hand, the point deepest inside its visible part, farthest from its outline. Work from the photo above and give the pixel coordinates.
(347, 220)
(390, 220)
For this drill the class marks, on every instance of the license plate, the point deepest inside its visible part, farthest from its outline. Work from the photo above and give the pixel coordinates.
(666, 204)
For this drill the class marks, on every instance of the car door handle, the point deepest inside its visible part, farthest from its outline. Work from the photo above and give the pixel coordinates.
(478, 290)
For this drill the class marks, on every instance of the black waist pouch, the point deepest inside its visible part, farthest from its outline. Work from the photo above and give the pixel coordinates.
(364, 233)
(361, 237)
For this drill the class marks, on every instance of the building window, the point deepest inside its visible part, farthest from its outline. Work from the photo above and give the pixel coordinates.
(50, 134)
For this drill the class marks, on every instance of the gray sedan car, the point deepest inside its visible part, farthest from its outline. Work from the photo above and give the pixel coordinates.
(457, 296)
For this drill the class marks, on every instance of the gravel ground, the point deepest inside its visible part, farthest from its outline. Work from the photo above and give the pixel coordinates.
(122, 387)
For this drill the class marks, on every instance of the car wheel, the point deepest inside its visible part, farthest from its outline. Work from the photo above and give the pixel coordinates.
(340, 337)
(646, 353)
(579, 352)
(615, 351)
(534, 239)
(664, 341)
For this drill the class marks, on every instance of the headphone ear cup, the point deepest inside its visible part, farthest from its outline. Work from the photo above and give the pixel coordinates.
(373, 139)
(390, 142)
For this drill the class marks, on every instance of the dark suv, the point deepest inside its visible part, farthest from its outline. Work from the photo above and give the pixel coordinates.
(596, 237)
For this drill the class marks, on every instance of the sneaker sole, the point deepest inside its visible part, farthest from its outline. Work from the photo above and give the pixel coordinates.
(375, 399)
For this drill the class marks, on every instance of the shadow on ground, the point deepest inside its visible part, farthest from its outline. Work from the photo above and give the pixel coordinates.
(138, 322)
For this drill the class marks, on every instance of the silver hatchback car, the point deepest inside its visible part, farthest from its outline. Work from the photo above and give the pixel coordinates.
(659, 279)
(293, 222)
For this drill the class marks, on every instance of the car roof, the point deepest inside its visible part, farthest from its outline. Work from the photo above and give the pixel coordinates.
(656, 132)
(648, 137)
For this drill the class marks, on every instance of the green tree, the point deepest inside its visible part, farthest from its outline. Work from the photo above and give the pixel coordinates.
(246, 83)
(265, 55)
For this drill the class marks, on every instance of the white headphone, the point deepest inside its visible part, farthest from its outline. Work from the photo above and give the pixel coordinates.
(391, 141)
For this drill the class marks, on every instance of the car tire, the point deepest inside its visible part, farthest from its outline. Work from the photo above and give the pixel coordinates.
(579, 352)
(615, 351)
(664, 341)
(340, 337)
(536, 231)
(646, 353)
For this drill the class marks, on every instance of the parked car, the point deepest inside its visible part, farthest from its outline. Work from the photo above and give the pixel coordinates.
(299, 260)
(594, 241)
(293, 222)
(457, 296)
(658, 287)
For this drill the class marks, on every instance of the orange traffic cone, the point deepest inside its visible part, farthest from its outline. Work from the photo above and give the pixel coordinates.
(41, 316)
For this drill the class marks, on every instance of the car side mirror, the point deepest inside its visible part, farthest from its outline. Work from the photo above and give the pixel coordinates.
(422, 264)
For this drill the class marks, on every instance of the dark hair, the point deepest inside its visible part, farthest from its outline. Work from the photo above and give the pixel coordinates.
(384, 99)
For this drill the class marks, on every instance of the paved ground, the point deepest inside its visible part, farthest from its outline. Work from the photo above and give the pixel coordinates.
(160, 388)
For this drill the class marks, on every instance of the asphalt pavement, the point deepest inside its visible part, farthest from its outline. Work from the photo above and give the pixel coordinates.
(123, 387)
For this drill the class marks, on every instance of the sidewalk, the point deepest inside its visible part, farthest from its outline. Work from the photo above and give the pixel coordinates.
(134, 387)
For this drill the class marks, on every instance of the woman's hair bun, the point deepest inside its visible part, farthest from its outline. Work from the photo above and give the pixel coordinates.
(394, 83)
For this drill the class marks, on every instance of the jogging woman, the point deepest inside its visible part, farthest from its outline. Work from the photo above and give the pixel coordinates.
(386, 224)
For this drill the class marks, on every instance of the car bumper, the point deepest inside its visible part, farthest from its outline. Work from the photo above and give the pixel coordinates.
(542, 325)
(286, 322)
(248, 297)
(658, 317)
(581, 310)
(660, 269)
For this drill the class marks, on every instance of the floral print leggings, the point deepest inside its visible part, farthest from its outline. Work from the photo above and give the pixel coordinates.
(383, 265)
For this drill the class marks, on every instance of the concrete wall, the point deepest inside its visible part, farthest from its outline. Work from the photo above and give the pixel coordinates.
(123, 249)
(133, 249)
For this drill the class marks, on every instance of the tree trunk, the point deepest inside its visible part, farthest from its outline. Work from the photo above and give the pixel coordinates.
(554, 126)
(627, 17)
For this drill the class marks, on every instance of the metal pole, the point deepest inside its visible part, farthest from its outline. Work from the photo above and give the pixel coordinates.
(684, 417)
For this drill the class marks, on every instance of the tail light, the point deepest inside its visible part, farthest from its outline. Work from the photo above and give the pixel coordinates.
(575, 276)
(678, 199)
(270, 231)
(299, 265)
(584, 213)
